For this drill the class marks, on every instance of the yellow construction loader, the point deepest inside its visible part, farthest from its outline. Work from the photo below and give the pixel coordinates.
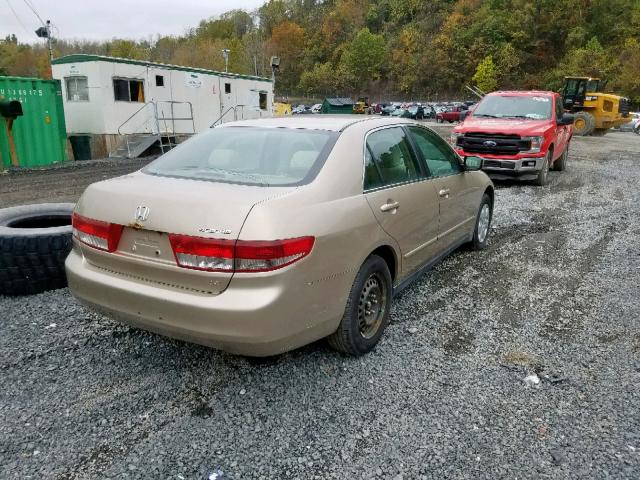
(595, 112)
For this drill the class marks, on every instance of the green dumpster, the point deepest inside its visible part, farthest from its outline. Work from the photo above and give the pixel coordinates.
(39, 135)
(81, 146)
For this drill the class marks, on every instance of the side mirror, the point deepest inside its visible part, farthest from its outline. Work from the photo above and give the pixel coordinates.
(472, 163)
(567, 119)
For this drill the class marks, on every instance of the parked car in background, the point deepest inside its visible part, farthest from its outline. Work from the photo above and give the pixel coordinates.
(633, 125)
(316, 108)
(399, 112)
(450, 114)
(429, 111)
(276, 268)
(415, 112)
(520, 134)
(388, 109)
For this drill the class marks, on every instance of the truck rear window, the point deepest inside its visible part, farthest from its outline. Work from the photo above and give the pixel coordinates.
(515, 106)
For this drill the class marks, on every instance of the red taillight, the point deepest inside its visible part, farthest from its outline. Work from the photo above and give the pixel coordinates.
(238, 256)
(203, 253)
(96, 233)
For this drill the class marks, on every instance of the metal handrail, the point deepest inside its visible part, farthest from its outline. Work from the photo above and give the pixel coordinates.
(235, 113)
(136, 113)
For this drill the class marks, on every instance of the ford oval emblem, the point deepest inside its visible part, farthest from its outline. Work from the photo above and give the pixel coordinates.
(489, 143)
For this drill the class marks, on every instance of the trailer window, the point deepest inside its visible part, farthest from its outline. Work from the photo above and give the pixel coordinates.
(128, 90)
(159, 81)
(77, 89)
(262, 100)
(227, 88)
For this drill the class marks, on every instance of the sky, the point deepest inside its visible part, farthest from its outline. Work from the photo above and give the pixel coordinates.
(100, 20)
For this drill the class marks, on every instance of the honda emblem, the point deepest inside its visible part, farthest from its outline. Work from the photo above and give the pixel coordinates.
(142, 213)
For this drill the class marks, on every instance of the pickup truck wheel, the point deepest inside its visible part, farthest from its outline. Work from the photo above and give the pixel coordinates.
(543, 174)
(439, 120)
(34, 243)
(367, 312)
(561, 164)
(483, 224)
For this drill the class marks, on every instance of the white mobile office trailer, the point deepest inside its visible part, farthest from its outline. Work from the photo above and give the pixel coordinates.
(126, 106)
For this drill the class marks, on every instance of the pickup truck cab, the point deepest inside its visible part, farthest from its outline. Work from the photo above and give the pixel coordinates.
(519, 134)
(450, 114)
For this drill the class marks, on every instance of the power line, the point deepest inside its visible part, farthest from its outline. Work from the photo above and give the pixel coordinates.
(33, 9)
(17, 17)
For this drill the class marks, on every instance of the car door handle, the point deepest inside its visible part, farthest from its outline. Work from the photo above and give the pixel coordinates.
(444, 193)
(390, 206)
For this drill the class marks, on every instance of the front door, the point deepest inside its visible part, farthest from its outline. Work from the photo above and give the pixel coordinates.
(402, 198)
(456, 192)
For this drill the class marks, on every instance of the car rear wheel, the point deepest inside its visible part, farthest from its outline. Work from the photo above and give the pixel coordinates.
(543, 174)
(367, 312)
(483, 224)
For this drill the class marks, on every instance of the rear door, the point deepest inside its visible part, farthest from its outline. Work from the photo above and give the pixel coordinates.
(458, 197)
(402, 198)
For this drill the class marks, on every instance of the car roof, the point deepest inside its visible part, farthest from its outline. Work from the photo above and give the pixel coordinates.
(333, 123)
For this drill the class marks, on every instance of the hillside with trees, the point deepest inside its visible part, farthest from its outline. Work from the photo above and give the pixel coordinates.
(394, 48)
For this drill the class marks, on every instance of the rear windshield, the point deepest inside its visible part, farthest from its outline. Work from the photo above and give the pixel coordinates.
(511, 106)
(248, 155)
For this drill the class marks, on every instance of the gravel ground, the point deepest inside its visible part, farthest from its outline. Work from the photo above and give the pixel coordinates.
(443, 396)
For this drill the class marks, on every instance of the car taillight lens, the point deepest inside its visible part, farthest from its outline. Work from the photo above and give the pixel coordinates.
(96, 233)
(238, 256)
(203, 253)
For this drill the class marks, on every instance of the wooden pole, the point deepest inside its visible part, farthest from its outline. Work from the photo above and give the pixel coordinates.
(8, 126)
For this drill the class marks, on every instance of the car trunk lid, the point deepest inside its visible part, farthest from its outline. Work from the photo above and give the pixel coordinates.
(152, 207)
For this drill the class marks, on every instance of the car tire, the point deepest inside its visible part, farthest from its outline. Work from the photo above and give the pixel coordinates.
(543, 175)
(560, 164)
(483, 224)
(359, 331)
(34, 243)
(439, 120)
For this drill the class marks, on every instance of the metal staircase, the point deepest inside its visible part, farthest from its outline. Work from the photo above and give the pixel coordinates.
(165, 123)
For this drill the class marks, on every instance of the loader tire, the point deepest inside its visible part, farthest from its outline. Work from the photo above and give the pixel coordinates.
(583, 124)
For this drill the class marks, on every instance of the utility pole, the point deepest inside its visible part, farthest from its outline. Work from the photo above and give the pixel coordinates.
(225, 54)
(45, 32)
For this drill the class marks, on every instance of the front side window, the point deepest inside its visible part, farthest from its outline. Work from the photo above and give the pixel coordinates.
(77, 89)
(248, 156)
(128, 90)
(390, 158)
(440, 159)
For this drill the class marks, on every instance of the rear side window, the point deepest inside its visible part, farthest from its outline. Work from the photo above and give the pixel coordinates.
(388, 159)
(440, 159)
(249, 156)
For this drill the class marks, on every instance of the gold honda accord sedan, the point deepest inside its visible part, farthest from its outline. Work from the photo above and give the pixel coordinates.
(260, 236)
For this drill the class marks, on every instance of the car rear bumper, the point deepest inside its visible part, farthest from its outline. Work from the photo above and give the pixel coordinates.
(260, 319)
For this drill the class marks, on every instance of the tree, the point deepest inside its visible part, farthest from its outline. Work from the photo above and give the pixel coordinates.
(486, 76)
(287, 42)
(364, 57)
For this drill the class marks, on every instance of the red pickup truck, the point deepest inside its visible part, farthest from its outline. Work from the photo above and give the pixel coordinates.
(517, 134)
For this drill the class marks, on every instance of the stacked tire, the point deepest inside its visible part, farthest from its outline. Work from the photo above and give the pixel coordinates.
(34, 243)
